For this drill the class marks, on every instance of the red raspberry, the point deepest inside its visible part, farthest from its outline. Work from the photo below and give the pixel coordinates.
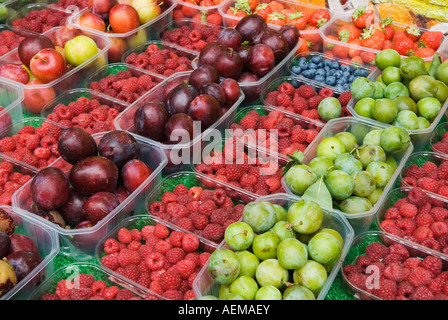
(439, 214)
(110, 261)
(175, 238)
(415, 171)
(170, 280)
(127, 257)
(428, 184)
(174, 255)
(417, 197)
(283, 100)
(408, 210)
(131, 272)
(111, 246)
(155, 261)
(376, 251)
(314, 102)
(186, 224)
(344, 98)
(64, 288)
(110, 292)
(422, 233)
(161, 231)
(311, 135)
(162, 246)
(407, 225)
(306, 91)
(190, 242)
(81, 294)
(420, 277)
(124, 236)
(249, 122)
(394, 272)
(421, 293)
(124, 294)
(432, 264)
(185, 268)
(213, 232)
(300, 104)
(200, 221)
(169, 197)
(326, 92)
(387, 290)
(207, 207)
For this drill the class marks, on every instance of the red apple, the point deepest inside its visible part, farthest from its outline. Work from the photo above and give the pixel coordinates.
(92, 21)
(48, 65)
(31, 45)
(36, 98)
(123, 18)
(117, 49)
(101, 6)
(64, 34)
(14, 72)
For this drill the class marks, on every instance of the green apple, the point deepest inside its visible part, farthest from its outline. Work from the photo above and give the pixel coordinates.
(79, 50)
(147, 10)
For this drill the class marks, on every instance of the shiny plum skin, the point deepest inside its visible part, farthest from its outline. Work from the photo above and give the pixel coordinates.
(119, 147)
(216, 91)
(23, 262)
(179, 125)
(75, 144)
(71, 211)
(134, 173)
(5, 245)
(178, 100)
(291, 34)
(203, 75)
(20, 242)
(230, 38)
(94, 174)
(206, 109)
(49, 188)
(99, 205)
(250, 25)
(150, 120)
(277, 42)
(209, 53)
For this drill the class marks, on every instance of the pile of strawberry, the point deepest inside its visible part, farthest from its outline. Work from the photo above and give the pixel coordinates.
(86, 287)
(429, 177)
(164, 261)
(384, 35)
(192, 37)
(125, 86)
(419, 218)
(402, 275)
(442, 145)
(166, 61)
(40, 21)
(257, 175)
(206, 213)
(292, 136)
(304, 100)
(88, 114)
(211, 16)
(36, 147)
(9, 40)
(10, 182)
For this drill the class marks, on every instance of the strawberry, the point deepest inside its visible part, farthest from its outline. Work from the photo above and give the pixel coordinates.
(234, 12)
(297, 19)
(424, 52)
(319, 17)
(348, 32)
(370, 38)
(354, 51)
(314, 38)
(340, 51)
(404, 46)
(330, 45)
(387, 44)
(386, 25)
(247, 5)
(263, 10)
(412, 33)
(363, 17)
(304, 47)
(276, 6)
(431, 39)
(276, 18)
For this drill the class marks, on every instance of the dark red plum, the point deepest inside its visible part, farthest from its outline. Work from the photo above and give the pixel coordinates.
(206, 109)
(170, 87)
(291, 34)
(261, 59)
(86, 240)
(21, 242)
(134, 173)
(277, 42)
(31, 45)
(49, 188)
(5, 245)
(216, 91)
(250, 25)
(119, 146)
(179, 98)
(251, 92)
(209, 53)
(23, 262)
(229, 64)
(99, 205)
(94, 174)
(230, 38)
(203, 75)
(231, 89)
(150, 120)
(179, 127)
(71, 211)
(243, 51)
(121, 193)
(75, 144)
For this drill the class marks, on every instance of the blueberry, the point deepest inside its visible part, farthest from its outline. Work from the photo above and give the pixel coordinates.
(335, 64)
(312, 65)
(295, 83)
(319, 78)
(330, 80)
(346, 74)
(327, 68)
(346, 87)
(351, 78)
(327, 62)
(356, 72)
(345, 68)
(308, 73)
(320, 72)
(338, 74)
(320, 65)
(364, 73)
(296, 69)
(303, 64)
(340, 87)
(316, 59)
(340, 82)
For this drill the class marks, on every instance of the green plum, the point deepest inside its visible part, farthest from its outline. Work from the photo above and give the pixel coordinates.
(324, 248)
(429, 108)
(223, 266)
(292, 254)
(331, 148)
(348, 139)
(334, 233)
(390, 75)
(442, 92)
(223, 290)
(280, 211)
(407, 119)
(347, 163)
(372, 137)
(395, 140)
(380, 90)
(239, 235)
(268, 293)
(375, 195)
(329, 108)
(422, 87)
(423, 123)
(405, 103)
(321, 165)
(260, 216)
(387, 58)
(384, 110)
(298, 292)
(248, 263)
(265, 245)
(299, 178)
(442, 73)
(311, 275)
(364, 183)
(364, 107)
(245, 287)
(305, 216)
(355, 204)
(392, 162)
(412, 67)
(381, 172)
(270, 272)
(368, 153)
(231, 296)
(283, 230)
(362, 87)
(340, 184)
(396, 89)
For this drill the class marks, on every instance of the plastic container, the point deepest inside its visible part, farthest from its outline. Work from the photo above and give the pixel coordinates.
(331, 28)
(125, 121)
(204, 285)
(179, 51)
(362, 221)
(6, 28)
(186, 9)
(69, 80)
(134, 38)
(194, 179)
(309, 56)
(436, 136)
(113, 68)
(138, 222)
(47, 243)
(70, 271)
(358, 248)
(249, 138)
(420, 137)
(80, 243)
(11, 98)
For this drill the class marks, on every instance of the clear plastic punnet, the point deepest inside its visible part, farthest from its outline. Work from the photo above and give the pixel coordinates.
(203, 285)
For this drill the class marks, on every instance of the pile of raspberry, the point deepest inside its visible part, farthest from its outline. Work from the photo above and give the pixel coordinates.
(206, 213)
(10, 182)
(9, 40)
(86, 287)
(304, 100)
(164, 261)
(88, 114)
(124, 85)
(419, 218)
(81, 4)
(256, 175)
(166, 62)
(402, 274)
(429, 177)
(193, 37)
(36, 147)
(40, 21)
(442, 145)
(291, 136)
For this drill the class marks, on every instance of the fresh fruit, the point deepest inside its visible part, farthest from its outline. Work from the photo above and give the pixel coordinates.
(239, 236)
(119, 146)
(123, 18)
(8, 279)
(134, 173)
(80, 49)
(305, 216)
(49, 188)
(76, 144)
(260, 216)
(31, 45)
(223, 266)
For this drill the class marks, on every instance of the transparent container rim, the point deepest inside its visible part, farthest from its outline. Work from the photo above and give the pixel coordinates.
(110, 215)
(73, 20)
(389, 185)
(198, 7)
(433, 135)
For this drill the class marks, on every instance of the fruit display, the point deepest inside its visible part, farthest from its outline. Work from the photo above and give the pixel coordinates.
(355, 37)
(127, 24)
(296, 95)
(12, 178)
(277, 252)
(402, 272)
(330, 71)
(199, 10)
(161, 58)
(163, 260)
(294, 133)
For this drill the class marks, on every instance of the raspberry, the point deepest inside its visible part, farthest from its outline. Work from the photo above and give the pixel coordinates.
(162, 247)
(200, 221)
(110, 292)
(111, 246)
(50, 296)
(234, 172)
(63, 289)
(127, 257)
(175, 238)
(124, 294)
(134, 245)
(185, 268)
(424, 219)
(376, 251)
(344, 98)
(439, 214)
(387, 290)
(131, 272)
(306, 91)
(407, 225)
(186, 224)
(420, 277)
(326, 92)
(432, 264)
(155, 261)
(422, 233)
(249, 122)
(314, 102)
(408, 210)
(213, 232)
(207, 207)
(161, 231)
(124, 236)
(428, 184)
(417, 197)
(157, 207)
(190, 242)
(81, 294)
(169, 197)
(438, 228)
(421, 293)
(311, 135)
(415, 171)
(173, 295)
(394, 272)
(179, 211)
(174, 255)
(170, 280)
(7, 144)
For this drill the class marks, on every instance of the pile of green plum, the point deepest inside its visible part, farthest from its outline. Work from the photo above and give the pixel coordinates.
(353, 177)
(408, 93)
(275, 254)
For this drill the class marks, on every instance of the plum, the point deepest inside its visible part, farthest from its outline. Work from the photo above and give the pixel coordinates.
(75, 144)
(94, 174)
(121, 193)
(5, 245)
(291, 34)
(119, 147)
(216, 91)
(49, 188)
(231, 89)
(250, 25)
(277, 42)
(7, 224)
(23, 262)
(71, 211)
(99, 205)
(230, 38)
(54, 217)
(21, 242)
(178, 127)
(150, 120)
(203, 75)
(170, 87)
(134, 173)
(229, 64)
(261, 59)
(209, 53)
(178, 100)
(206, 109)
